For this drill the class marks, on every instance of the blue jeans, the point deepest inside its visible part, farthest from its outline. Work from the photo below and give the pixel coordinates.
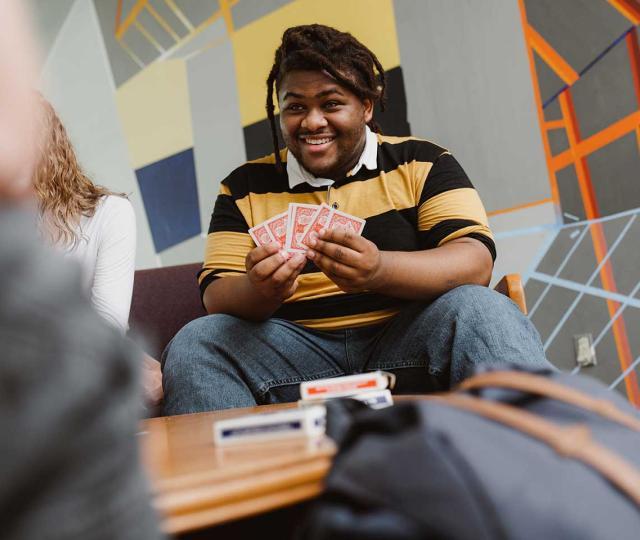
(221, 361)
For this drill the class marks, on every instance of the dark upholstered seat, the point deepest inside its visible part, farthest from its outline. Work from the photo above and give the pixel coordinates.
(164, 300)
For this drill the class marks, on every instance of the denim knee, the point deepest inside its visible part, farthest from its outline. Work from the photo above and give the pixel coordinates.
(475, 302)
(192, 338)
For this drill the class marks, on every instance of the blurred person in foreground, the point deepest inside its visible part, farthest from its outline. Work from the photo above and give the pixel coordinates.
(69, 464)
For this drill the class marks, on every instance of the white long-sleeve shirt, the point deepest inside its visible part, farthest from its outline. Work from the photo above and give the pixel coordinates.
(106, 250)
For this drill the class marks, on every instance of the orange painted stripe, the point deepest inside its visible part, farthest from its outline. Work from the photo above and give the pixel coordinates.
(558, 64)
(553, 184)
(577, 152)
(519, 207)
(554, 124)
(118, 16)
(131, 17)
(225, 8)
(634, 58)
(598, 140)
(582, 171)
(628, 8)
(599, 243)
(619, 328)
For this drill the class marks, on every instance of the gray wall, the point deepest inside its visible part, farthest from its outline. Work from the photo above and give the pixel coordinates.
(469, 89)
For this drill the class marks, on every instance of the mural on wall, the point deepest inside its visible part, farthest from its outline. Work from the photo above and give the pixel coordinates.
(164, 53)
(585, 66)
(163, 98)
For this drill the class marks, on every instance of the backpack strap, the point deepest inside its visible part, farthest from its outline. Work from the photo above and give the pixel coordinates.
(535, 384)
(574, 441)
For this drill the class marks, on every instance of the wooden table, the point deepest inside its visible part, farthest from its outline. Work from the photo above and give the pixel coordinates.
(197, 484)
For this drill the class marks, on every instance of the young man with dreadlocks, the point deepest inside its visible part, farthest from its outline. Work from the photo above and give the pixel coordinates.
(408, 296)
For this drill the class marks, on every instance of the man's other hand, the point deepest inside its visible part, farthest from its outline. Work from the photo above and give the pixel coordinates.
(273, 272)
(152, 381)
(352, 262)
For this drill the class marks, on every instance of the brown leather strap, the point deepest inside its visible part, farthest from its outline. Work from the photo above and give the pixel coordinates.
(573, 441)
(535, 384)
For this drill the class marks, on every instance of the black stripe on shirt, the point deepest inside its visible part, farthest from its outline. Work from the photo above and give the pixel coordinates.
(261, 178)
(210, 278)
(340, 305)
(391, 155)
(227, 216)
(431, 238)
(445, 175)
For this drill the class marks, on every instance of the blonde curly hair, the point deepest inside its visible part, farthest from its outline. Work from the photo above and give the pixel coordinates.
(64, 192)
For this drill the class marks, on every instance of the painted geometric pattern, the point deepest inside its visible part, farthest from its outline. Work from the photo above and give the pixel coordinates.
(159, 49)
(189, 90)
(170, 196)
(585, 65)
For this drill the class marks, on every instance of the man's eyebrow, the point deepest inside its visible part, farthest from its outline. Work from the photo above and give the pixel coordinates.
(293, 95)
(322, 94)
(328, 92)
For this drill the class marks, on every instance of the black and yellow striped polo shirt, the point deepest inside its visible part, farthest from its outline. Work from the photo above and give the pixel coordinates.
(419, 197)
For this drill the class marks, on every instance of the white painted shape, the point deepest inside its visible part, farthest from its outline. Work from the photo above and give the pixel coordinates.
(77, 79)
(515, 253)
(543, 214)
(189, 251)
(217, 130)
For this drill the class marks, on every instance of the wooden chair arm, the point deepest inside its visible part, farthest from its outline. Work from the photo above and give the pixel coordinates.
(511, 286)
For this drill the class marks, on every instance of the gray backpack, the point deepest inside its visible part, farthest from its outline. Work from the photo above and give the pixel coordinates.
(510, 454)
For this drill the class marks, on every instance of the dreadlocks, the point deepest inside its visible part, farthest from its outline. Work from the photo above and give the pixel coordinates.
(317, 47)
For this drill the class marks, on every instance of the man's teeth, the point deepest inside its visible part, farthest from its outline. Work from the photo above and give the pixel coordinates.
(318, 141)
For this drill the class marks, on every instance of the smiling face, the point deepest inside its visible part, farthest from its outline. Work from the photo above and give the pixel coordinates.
(323, 123)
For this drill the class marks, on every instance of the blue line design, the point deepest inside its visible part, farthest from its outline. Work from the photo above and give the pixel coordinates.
(579, 287)
(617, 314)
(589, 66)
(560, 269)
(540, 255)
(591, 278)
(612, 320)
(543, 251)
(525, 232)
(624, 374)
(624, 213)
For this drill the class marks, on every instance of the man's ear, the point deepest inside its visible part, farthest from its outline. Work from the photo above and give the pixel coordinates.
(368, 110)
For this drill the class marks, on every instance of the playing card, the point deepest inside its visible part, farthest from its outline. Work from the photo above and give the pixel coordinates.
(261, 235)
(299, 218)
(300, 422)
(277, 226)
(319, 221)
(347, 385)
(346, 221)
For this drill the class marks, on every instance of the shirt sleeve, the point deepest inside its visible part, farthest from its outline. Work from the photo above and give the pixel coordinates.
(115, 264)
(450, 207)
(228, 241)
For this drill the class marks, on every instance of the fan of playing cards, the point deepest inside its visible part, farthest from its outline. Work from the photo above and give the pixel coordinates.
(292, 229)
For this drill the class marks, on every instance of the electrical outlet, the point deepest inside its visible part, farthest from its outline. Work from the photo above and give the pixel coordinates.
(585, 351)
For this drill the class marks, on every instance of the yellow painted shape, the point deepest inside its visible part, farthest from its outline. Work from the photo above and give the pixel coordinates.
(254, 45)
(155, 113)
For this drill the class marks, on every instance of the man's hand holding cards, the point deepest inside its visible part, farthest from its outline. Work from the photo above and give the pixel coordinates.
(293, 229)
(329, 237)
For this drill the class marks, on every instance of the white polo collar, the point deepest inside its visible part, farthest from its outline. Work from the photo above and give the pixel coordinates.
(369, 158)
